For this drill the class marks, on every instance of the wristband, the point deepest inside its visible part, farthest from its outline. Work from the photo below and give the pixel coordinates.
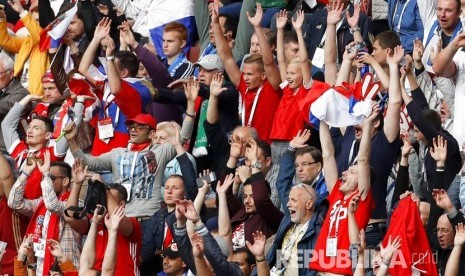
(260, 261)
(290, 148)
(440, 168)
(354, 30)
(110, 58)
(190, 115)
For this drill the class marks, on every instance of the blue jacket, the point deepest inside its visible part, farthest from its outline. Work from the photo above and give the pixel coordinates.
(308, 241)
(411, 25)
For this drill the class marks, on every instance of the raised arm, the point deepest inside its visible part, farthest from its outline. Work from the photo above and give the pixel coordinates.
(215, 90)
(199, 258)
(114, 79)
(7, 178)
(281, 20)
(224, 52)
(112, 223)
(271, 70)
(79, 176)
(346, 66)
(353, 22)
(329, 161)
(16, 200)
(391, 121)
(303, 54)
(258, 250)
(224, 221)
(330, 51)
(443, 65)
(101, 31)
(364, 153)
(51, 201)
(453, 263)
(87, 261)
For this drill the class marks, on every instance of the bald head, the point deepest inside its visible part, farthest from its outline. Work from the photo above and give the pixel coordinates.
(445, 232)
(301, 204)
(244, 132)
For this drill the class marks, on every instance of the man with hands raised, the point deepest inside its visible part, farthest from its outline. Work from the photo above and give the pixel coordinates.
(257, 211)
(47, 213)
(333, 239)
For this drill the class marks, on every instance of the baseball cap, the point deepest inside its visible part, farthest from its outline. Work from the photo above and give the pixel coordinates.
(143, 119)
(171, 251)
(48, 77)
(210, 62)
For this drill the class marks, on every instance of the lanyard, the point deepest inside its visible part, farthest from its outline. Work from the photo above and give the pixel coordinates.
(106, 104)
(401, 14)
(286, 255)
(254, 106)
(351, 154)
(178, 61)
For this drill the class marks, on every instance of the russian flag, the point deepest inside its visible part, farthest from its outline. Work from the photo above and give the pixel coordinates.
(50, 37)
(166, 11)
(344, 105)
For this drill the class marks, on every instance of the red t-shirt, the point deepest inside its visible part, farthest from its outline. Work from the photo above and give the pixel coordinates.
(336, 219)
(19, 151)
(12, 230)
(288, 119)
(265, 110)
(127, 250)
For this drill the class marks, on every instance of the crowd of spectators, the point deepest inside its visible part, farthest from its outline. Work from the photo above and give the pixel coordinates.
(293, 137)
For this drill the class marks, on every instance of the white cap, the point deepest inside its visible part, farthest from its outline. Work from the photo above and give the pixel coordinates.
(210, 62)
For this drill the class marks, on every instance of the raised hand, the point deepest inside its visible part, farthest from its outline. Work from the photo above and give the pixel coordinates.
(244, 173)
(459, 239)
(112, 223)
(350, 53)
(126, 34)
(300, 140)
(375, 110)
(45, 166)
(281, 19)
(407, 146)
(70, 131)
(391, 248)
(197, 245)
(237, 147)
(16, 5)
(102, 29)
(189, 212)
(334, 13)
(103, 9)
(55, 250)
(110, 46)
(257, 18)
(26, 250)
(222, 188)
(418, 50)
(216, 86)
(353, 204)
(439, 150)
(174, 137)
(99, 214)
(252, 152)
(299, 20)
(258, 246)
(442, 199)
(353, 20)
(396, 57)
(191, 89)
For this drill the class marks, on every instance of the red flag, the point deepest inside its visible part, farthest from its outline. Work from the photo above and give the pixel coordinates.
(415, 252)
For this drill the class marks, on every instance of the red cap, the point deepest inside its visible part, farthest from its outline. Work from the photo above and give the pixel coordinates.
(48, 77)
(143, 119)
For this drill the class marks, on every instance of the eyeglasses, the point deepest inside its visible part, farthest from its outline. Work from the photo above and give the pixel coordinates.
(1, 73)
(137, 127)
(53, 177)
(307, 163)
(444, 231)
(304, 186)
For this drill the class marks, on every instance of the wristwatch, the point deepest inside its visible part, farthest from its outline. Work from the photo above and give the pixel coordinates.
(354, 30)
(257, 165)
(110, 58)
(32, 266)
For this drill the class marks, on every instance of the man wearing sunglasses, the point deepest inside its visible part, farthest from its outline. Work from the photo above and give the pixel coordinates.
(47, 212)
